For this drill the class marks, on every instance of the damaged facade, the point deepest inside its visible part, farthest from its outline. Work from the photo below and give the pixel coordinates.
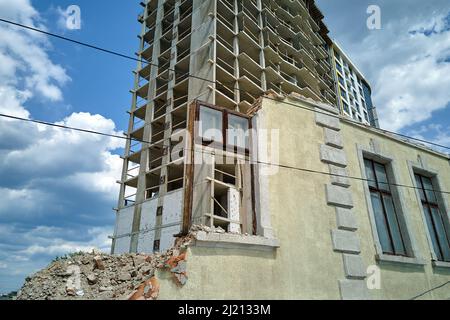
(322, 232)
(270, 170)
(225, 53)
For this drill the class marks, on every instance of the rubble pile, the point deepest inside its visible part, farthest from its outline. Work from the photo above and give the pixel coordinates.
(98, 276)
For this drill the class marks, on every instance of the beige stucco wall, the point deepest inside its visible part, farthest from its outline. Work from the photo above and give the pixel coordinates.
(399, 281)
(305, 266)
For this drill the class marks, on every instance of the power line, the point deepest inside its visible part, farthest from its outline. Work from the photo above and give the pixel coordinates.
(212, 81)
(199, 78)
(332, 174)
(431, 290)
(70, 40)
(64, 127)
(205, 152)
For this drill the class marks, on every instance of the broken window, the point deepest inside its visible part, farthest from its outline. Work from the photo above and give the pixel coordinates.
(222, 179)
(237, 133)
(226, 197)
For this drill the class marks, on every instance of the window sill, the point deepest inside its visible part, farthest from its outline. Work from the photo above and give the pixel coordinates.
(441, 264)
(384, 258)
(235, 241)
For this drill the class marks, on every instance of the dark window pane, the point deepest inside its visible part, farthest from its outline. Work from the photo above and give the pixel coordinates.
(441, 233)
(428, 185)
(381, 223)
(419, 185)
(394, 225)
(434, 239)
(370, 174)
(237, 134)
(380, 171)
(211, 125)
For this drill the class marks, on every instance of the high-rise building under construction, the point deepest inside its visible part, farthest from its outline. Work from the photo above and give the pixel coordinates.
(226, 53)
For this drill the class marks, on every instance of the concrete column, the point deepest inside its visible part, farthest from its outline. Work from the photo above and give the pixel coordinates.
(142, 185)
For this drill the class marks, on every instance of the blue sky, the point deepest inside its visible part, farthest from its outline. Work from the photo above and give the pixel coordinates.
(57, 188)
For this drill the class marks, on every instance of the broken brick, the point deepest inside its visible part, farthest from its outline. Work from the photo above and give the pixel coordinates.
(99, 263)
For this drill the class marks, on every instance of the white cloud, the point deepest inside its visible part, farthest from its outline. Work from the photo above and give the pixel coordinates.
(58, 247)
(25, 51)
(54, 157)
(56, 186)
(404, 61)
(84, 160)
(19, 10)
(409, 79)
(437, 24)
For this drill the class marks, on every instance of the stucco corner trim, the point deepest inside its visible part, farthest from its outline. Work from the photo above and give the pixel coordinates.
(383, 258)
(235, 241)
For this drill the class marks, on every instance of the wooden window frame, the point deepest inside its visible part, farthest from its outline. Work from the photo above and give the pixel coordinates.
(225, 114)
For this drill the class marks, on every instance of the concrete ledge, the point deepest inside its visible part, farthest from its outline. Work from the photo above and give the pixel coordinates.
(441, 264)
(235, 241)
(384, 258)
(354, 290)
(333, 156)
(345, 241)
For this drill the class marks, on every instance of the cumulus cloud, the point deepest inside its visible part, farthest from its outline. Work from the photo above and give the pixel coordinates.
(57, 187)
(409, 91)
(407, 61)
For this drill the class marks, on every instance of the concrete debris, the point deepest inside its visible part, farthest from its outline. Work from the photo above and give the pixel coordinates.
(197, 228)
(92, 278)
(97, 276)
(99, 263)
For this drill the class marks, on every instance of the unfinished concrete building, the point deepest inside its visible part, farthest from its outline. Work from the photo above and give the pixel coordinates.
(328, 208)
(225, 53)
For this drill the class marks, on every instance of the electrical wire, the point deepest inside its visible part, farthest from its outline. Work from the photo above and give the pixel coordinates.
(213, 82)
(431, 290)
(205, 152)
